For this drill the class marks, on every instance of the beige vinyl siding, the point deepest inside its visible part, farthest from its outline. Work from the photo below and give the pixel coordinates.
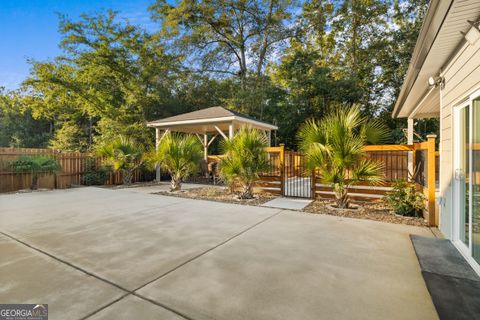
(462, 78)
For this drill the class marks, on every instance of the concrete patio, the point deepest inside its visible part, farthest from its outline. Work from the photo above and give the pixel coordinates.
(94, 253)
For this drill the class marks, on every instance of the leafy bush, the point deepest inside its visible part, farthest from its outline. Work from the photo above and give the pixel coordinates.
(245, 158)
(406, 200)
(180, 155)
(36, 166)
(334, 147)
(95, 175)
(123, 154)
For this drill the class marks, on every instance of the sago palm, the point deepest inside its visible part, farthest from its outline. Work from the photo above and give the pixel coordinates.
(125, 155)
(180, 155)
(36, 166)
(334, 147)
(244, 159)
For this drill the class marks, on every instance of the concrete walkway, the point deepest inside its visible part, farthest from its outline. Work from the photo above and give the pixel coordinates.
(93, 253)
(288, 203)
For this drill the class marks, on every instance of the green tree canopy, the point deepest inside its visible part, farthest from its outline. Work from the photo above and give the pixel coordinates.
(111, 79)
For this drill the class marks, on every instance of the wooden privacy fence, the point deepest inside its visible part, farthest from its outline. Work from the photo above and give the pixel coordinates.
(426, 165)
(288, 175)
(73, 168)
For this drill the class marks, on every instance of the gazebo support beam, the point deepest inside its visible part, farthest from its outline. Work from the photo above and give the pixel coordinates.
(199, 139)
(221, 132)
(211, 140)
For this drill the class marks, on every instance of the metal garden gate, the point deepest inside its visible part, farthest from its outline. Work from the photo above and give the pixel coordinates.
(297, 179)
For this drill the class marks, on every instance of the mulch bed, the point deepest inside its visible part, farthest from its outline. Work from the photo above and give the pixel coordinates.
(375, 210)
(123, 186)
(217, 194)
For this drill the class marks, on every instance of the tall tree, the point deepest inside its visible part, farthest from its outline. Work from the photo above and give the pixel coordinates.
(360, 28)
(112, 73)
(310, 71)
(18, 128)
(228, 37)
(405, 21)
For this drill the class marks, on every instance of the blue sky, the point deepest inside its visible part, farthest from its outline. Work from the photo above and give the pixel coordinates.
(28, 29)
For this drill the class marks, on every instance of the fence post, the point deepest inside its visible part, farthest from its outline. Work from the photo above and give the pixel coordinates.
(282, 169)
(411, 154)
(313, 184)
(431, 179)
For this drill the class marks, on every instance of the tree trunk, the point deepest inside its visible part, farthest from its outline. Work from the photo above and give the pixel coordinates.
(247, 192)
(34, 185)
(341, 196)
(127, 177)
(175, 184)
(264, 46)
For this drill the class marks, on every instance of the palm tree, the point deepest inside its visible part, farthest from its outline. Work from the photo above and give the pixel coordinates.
(180, 155)
(36, 166)
(245, 158)
(125, 155)
(334, 147)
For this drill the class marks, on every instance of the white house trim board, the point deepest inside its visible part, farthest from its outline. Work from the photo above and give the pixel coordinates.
(212, 120)
(196, 121)
(257, 123)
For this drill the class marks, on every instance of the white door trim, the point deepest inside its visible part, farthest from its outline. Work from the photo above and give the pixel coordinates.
(457, 133)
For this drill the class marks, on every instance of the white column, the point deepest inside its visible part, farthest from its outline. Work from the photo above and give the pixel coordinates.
(157, 142)
(230, 131)
(205, 147)
(410, 131)
(269, 137)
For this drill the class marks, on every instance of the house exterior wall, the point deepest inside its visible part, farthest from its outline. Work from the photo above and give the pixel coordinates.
(462, 78)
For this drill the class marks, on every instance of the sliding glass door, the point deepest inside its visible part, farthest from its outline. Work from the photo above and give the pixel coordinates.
(462, 176)
(475, 179)
(467, 176)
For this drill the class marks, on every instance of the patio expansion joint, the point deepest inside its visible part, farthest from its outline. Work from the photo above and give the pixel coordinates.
(208, 250)
(133, 292)
(126, 291)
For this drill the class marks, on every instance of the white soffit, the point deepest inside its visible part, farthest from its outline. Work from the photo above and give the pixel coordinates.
(428, 106)
(445, 44)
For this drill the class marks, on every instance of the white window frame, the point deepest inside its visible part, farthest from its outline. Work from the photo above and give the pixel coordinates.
(462, 248)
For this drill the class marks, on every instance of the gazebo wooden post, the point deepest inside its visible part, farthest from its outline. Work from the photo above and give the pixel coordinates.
(158, 139)
(230, 131)
(157, 142)
(205, 148)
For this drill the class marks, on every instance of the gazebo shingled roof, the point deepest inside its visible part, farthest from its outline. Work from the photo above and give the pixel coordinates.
(209, 115)
(212, 121)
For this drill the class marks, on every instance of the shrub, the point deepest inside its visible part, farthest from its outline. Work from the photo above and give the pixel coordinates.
(124, 155)
(36, 166)
(406, 200)
(95, 175)
(333, 146)
(245, 158)
(180, 155)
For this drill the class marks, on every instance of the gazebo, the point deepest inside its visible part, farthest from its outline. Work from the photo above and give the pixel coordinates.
(207, 124)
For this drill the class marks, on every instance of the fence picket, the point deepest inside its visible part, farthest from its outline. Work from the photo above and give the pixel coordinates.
(74, 165)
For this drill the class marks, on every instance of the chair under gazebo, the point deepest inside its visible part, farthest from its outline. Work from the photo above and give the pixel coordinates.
(207, 124)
